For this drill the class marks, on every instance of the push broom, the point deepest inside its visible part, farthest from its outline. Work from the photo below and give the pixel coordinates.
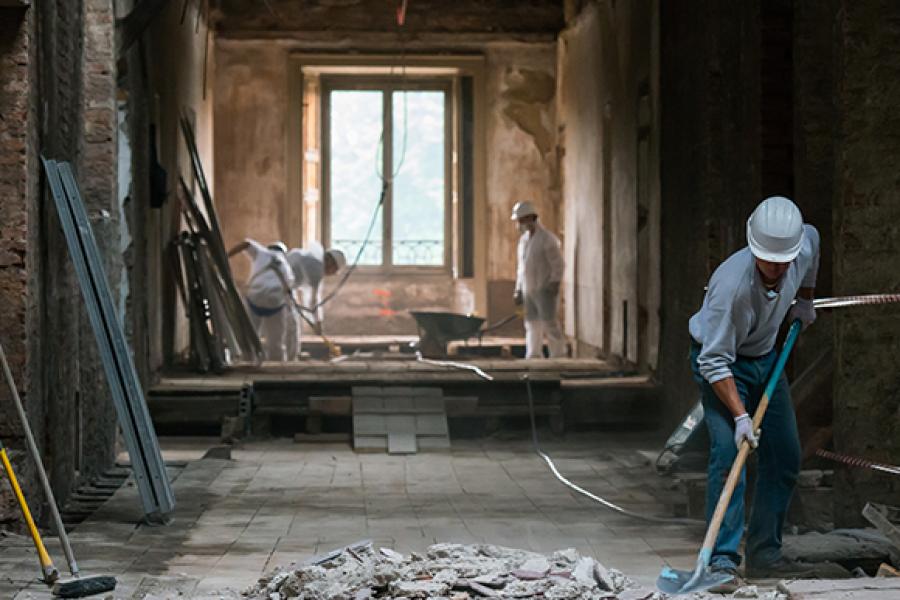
(673, 581)
(76, 587)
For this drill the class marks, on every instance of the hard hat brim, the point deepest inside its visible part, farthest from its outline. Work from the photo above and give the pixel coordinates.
(762, 253)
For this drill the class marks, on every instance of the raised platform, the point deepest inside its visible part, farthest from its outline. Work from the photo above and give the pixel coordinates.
(569, 391)
(382, 346)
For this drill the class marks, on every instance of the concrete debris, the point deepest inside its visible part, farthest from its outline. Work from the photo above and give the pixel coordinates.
(460, 572)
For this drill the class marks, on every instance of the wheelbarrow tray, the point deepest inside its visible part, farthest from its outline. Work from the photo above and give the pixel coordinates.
(447, 326)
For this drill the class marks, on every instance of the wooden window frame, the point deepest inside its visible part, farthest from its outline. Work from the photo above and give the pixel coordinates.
(388, 85)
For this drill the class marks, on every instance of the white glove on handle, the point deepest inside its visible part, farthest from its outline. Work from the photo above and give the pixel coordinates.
(743, 428)
(804, 310)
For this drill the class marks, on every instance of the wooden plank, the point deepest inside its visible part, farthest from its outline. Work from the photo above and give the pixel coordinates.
(642, 382)
(330, 405)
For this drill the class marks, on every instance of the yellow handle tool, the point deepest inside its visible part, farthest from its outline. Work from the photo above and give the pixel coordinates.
(50, 572)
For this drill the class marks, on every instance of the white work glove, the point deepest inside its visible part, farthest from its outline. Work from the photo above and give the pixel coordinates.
(804, 310)
(518, 298)
(743, 429)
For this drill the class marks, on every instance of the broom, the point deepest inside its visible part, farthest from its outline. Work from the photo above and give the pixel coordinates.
(76, 587)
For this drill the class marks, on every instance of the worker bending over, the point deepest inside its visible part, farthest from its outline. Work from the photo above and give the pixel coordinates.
(538, 277)
(310, 267)
(732, 356)
(268, 298)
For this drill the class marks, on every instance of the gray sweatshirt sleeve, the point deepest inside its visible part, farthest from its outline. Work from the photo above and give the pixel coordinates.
(724, 321)
(809, 278)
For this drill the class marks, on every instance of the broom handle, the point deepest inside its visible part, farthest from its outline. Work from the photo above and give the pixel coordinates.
(50, 573)
(42, 474)
(728, 489)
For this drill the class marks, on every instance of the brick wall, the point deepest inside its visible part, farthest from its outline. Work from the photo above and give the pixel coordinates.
(15, 123)
(61, 41)
(19, 258)
(97, 171)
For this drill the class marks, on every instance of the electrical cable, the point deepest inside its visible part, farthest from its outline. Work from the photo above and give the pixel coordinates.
(586, 493)
(386, 182)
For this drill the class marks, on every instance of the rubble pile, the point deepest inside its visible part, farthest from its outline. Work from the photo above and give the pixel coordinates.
(456, 572)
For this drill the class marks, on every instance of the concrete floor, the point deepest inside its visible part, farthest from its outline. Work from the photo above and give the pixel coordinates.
(277, 502)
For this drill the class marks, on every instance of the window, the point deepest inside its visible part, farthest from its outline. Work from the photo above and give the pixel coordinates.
(393, 129)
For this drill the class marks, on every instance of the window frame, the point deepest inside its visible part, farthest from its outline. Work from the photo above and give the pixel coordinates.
(388, 84)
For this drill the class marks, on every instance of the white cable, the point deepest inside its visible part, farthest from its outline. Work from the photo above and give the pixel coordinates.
(454, 365)
(584, 492)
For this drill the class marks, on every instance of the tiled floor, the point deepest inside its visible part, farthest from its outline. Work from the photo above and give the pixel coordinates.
(277, 501)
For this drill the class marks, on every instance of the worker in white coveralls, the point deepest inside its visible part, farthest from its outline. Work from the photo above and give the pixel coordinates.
(538, 277)
(268, 298)
(310, 267)
(732, 355)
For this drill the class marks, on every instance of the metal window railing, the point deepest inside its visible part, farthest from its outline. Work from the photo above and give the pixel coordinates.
(426, 253)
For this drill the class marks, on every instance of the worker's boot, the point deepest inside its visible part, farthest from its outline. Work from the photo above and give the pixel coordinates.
(729, 587)
(784, 568)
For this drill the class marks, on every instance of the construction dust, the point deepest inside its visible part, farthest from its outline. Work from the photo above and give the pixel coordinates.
(460, 572)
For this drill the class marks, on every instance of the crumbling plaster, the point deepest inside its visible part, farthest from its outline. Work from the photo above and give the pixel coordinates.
(252, 113)
(181, 78)
(521, 146)
(612, 277)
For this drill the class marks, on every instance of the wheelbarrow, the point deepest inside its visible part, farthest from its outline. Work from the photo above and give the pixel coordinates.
(437, 329)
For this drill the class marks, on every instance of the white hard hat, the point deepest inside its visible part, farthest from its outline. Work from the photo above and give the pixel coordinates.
(775, 230)
(338, 257)
(523, 209)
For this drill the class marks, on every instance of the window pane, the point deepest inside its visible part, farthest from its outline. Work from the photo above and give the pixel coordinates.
(355, 161)
(418, 190)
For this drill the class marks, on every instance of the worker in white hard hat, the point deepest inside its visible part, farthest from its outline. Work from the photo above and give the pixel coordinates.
(732, 354)
(310, 267)
(538, 277)
(267, 298)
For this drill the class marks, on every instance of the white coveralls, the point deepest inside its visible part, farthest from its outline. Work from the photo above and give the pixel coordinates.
(267, 302)
(308, 267)
(540, 269)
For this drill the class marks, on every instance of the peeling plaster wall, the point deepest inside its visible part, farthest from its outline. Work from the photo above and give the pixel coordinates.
(178, 86)
(251, 174)
(522, 158)
(607, 105)
(251, 115)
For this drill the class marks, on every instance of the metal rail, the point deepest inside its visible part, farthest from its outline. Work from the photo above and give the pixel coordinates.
(128, 398)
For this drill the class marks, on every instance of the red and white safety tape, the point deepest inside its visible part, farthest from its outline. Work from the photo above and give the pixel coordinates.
(858, 462)
(844, 301)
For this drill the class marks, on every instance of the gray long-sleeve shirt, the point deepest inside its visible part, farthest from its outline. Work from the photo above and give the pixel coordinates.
(739, 316)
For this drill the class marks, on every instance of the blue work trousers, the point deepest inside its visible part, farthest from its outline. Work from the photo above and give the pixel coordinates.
(778, 464)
